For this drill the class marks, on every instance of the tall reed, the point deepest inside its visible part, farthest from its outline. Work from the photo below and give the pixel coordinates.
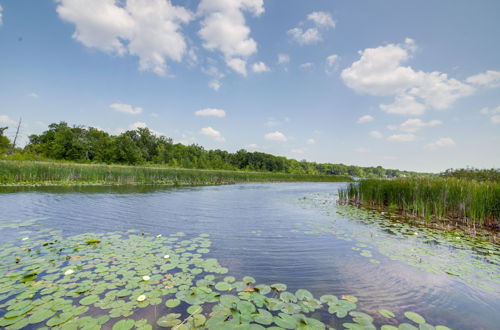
(43, 173)
(468, 201)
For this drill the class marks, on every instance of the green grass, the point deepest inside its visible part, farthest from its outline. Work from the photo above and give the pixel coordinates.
(467, 201)
(51, 173)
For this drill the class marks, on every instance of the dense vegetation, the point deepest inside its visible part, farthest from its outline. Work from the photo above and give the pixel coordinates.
(43, 173)
(473, 174)
(467, 201)
(141, 146)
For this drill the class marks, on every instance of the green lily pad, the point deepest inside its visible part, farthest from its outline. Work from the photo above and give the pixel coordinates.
(417, 318)
(171, 303)
(386, 313)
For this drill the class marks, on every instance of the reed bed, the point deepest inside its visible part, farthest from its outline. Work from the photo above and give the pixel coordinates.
(48, 173)
(467, 201)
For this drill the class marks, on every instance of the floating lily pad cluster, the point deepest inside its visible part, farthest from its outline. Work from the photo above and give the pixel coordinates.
(476, 261)
(136, 281)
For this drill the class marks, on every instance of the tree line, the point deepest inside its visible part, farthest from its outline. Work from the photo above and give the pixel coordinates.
(140, 146)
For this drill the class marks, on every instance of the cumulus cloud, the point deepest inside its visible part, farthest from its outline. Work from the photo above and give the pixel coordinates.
(311, 141)
(33, 95)
(126, 108)
(494, 113)
(211, 112)
(440, 143)
(140, 124)
(259, 67)
(283, 59)
(216, 135)
(332, 63)
(365, 119)
(276, 136)
(380, 72)
(487, 79)
(414, 125)
(376, 134)
(148, 29)
(224, 29)
(4, 119)
(404, 104)
(402, 137)
(320, 21)
(214, 84)
(321, 18)
(1, 15)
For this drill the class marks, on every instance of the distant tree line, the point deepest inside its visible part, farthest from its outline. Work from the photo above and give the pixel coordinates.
(471, 173)
(141, 146)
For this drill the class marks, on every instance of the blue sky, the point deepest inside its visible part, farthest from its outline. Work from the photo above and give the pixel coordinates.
(403, 84)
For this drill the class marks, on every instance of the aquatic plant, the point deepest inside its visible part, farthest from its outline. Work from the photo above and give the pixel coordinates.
(47, 173)
(475, 260)
(469, 202)
(123, 281)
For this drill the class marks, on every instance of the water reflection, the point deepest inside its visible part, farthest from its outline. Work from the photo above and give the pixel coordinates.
(251, 230)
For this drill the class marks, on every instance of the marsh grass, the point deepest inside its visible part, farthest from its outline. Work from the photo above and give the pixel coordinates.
(469, 202)
(51, 173)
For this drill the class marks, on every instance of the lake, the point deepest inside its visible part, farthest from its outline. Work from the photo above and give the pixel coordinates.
(291, 233)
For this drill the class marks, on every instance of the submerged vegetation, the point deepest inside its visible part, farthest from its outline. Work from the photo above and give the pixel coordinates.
(467, 202)
(134, 280)
(141, 147)
(50, 173)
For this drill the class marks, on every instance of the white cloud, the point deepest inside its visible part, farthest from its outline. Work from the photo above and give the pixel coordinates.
(216, 135)
(214, 84)
(332, 63)
(380, 72)
(306, 66)
(404, 105)
(494, 113)
(402, 137)
(298, 151)
(311, 141)
(139, 124)
(365, 119)
(376, 134)
(414, 125)
(1, 15)
(126, 108)
(33, 95)
(223, 29)
(253, 146)
(154, 115)
(211, 112)
(283, 59)
(238, 65)
(487, 79)
(440, 143)
(276, 136)
(321, 22)
(4, 119)
(305, 37)
(488, 111)
(321, 18)
(260, 67)
(149, 29)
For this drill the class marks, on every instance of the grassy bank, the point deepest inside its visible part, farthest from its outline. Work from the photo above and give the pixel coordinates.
(467, 202)
(47, 173)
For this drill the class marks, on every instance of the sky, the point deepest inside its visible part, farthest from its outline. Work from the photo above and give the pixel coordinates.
(413, 85)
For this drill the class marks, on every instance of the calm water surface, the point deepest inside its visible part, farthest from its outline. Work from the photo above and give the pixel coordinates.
(251, 230)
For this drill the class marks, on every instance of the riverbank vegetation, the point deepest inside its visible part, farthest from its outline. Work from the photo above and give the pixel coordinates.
(141, 147)
(50, 173)
(463, 201)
